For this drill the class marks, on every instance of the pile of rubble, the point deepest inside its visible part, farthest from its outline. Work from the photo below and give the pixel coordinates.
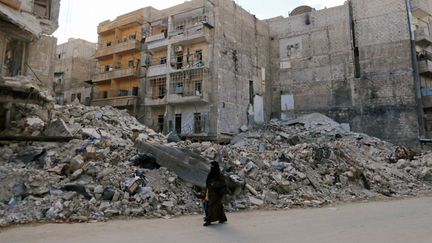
(95, 175)
(98, 173)
(313, 161)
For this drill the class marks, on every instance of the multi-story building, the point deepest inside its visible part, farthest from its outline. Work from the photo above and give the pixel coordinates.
(27, 52)
(209, 67)
(117, 81)
(74, 69)
(421, 24)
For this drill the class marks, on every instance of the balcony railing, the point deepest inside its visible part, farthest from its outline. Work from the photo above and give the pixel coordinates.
(423, 37)
(119, 23)
(116, 74)
(133, 45)
(156, 42)
(425, 67)
(121, 101)
(188, 61)
(420, 8)
(196, 32)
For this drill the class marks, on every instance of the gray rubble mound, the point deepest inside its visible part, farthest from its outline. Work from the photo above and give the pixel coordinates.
(99, 174)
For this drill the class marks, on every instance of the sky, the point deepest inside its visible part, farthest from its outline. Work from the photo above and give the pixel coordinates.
(80, 18)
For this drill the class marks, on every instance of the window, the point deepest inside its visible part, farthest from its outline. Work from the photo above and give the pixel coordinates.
(160, 123)
(59, 56)
(132, 37)
(107, 68)
(123, 92)
(158, 88)
(197, 123)
(163, 60)
(105, 94)
(251, 92)
(109, 43)
(131, 63)
(78, 96)
(42, 8)
(179, 88)
(135, 91)
(198, 87)
(178, 121)
(73, 97)
(13, 59)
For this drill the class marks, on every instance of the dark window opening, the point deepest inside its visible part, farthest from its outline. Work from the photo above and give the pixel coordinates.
(251, 92)
(178, 121)
(123, 92)
(105, 94)
(108, 43)
(158, 88)
(179, 60)
(160, 123)
(135, 91)
(163, 60)
(198, 123)
(132, 37)
(131, 64)
(198, 87)
(357, 62)
(179, 88)
(78, 96)
(73, 97)
(107, 68)
(59, 56)
(13, 60)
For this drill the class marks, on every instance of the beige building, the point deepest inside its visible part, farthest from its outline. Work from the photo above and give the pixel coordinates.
(209, 67)
(27, 52)
(74, 68)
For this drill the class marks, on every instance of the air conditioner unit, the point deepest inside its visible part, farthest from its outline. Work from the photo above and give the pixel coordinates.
(178, 49)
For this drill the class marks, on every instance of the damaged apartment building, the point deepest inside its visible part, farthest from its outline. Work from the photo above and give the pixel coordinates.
(26, 52)
(74, 66)
(206, 68)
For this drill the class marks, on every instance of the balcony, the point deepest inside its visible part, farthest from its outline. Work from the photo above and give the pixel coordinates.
(420, 8)
(157, 70)
(120, 22)
(425, 67)
(124, 47)
(116, 74)
(423, 37)
(157, 42)
(122, 101)
(192, 34)
(187, 99)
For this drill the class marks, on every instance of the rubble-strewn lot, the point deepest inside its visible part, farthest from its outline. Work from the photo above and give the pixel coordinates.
(309, 162)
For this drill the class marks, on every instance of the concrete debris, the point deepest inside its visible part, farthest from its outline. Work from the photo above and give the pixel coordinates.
(309, 162)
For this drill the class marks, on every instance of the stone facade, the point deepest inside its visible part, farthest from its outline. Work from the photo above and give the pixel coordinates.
(75, 64)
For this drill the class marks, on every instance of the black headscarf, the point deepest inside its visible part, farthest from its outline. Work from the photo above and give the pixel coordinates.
(214, 171)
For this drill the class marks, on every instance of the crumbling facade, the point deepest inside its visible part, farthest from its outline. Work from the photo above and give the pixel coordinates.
(354, 63)
(26, 52)
(209, 67)
(74, 69)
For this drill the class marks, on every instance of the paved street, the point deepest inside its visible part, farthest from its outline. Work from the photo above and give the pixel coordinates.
(397, 221)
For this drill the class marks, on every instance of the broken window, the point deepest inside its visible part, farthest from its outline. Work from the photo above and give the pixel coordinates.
(178, 121)
(132, 37)
(105, 94)
(73, 97)
(78, 96)
(251, 92)
(160, 123)
(108, 43)
(14, 55)
(123, 92)
(198, 87)
(42, 8)
(158, 88)
(197, 123)
(163, 60)
(131, 64)
(135, 91)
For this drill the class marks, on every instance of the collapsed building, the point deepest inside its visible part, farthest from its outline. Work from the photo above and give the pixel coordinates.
(74, 66)
(26, 52)
(208, 67)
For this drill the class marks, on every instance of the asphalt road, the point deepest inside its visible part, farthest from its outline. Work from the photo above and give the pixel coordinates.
(396, 221)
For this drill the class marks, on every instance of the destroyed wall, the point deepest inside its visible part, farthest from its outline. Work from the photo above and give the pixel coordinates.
(385, 92)
(75, 64)
(41, 59)
(241, 59)
(359, 74)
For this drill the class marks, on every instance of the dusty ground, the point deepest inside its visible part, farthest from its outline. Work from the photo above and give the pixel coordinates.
(396, 221)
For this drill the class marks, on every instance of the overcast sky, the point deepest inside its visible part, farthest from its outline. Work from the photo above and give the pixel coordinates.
(79, 18)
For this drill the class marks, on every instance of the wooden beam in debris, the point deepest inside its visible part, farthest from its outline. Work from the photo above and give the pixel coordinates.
(15, 4)
(35, 139)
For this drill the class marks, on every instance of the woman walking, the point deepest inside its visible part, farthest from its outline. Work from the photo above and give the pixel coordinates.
(216, 189)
